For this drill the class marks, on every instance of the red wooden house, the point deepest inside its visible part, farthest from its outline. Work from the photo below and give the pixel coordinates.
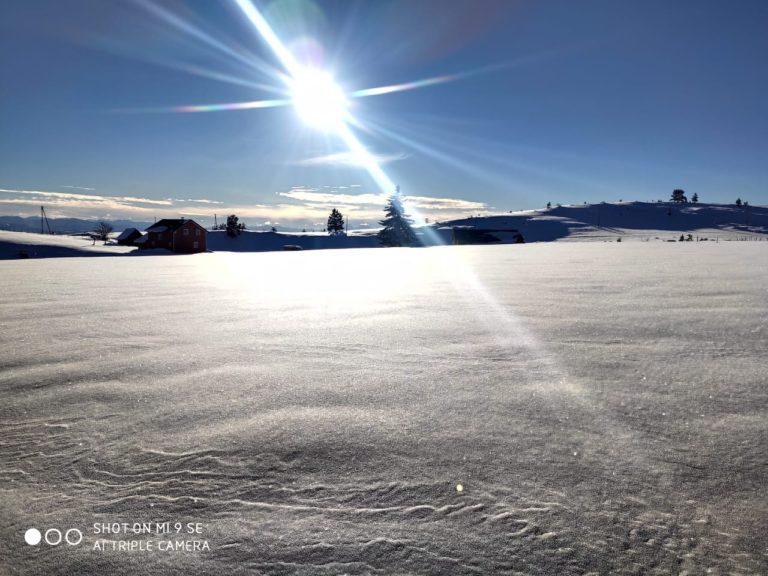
(177, 235)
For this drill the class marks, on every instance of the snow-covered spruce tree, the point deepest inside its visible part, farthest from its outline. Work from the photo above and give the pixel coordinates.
(335, 222)
(396, 227)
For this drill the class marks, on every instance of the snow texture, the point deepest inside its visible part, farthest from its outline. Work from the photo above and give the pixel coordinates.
(603, 407)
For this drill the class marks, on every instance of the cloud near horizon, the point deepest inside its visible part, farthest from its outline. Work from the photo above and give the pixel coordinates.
(196, 201)
(349, 158)
(97, 206)
(55, 197)
(79, 187)
(299, 205)
(313, 196)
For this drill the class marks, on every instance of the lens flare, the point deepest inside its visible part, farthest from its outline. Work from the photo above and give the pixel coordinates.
(403, 87)
(318, 100)
(232, 106)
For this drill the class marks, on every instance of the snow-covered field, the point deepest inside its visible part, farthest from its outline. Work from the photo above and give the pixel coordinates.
(17, 245)
(539, 409)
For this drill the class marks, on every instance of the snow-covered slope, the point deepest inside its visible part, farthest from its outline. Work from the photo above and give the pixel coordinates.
(249, 241)
(630, 220)
(603, 407)
(15, 245)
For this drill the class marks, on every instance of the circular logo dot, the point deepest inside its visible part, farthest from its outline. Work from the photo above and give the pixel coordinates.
(76, 538)
(50, 541)
(33, 536)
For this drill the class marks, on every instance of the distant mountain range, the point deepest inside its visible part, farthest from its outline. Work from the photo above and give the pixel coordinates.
(64, 225)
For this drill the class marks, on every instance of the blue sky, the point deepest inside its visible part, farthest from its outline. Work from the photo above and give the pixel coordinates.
(557, 101)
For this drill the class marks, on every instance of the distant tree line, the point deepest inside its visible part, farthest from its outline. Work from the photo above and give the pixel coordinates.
(679, 197)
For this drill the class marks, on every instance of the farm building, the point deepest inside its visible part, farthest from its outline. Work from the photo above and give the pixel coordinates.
(178, 235)
(128, 237)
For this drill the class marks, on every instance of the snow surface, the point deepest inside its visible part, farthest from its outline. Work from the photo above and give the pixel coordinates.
(12, 244)
(603, 407)
(248, 241)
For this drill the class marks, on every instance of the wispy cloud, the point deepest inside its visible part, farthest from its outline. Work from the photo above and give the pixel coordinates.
(429, 203)
(73, 196)
(82, 205)
(349, 159)
(79, 187)
(312, 196)
(196, 200)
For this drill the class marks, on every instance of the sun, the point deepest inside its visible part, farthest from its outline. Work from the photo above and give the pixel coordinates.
(318, 100)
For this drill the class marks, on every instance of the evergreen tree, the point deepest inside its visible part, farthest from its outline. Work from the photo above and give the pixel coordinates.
(679, 196)
(234, 227)
(695, 198)
(335, 222)
(396, 227)
(738, 201)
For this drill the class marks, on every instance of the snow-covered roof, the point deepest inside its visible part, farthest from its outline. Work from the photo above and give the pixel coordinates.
(127, 233)
(171, 224)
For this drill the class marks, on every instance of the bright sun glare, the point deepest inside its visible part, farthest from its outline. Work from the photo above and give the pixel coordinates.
(318, 100)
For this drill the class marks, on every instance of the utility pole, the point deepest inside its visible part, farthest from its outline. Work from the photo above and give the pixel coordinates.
(44, 222)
